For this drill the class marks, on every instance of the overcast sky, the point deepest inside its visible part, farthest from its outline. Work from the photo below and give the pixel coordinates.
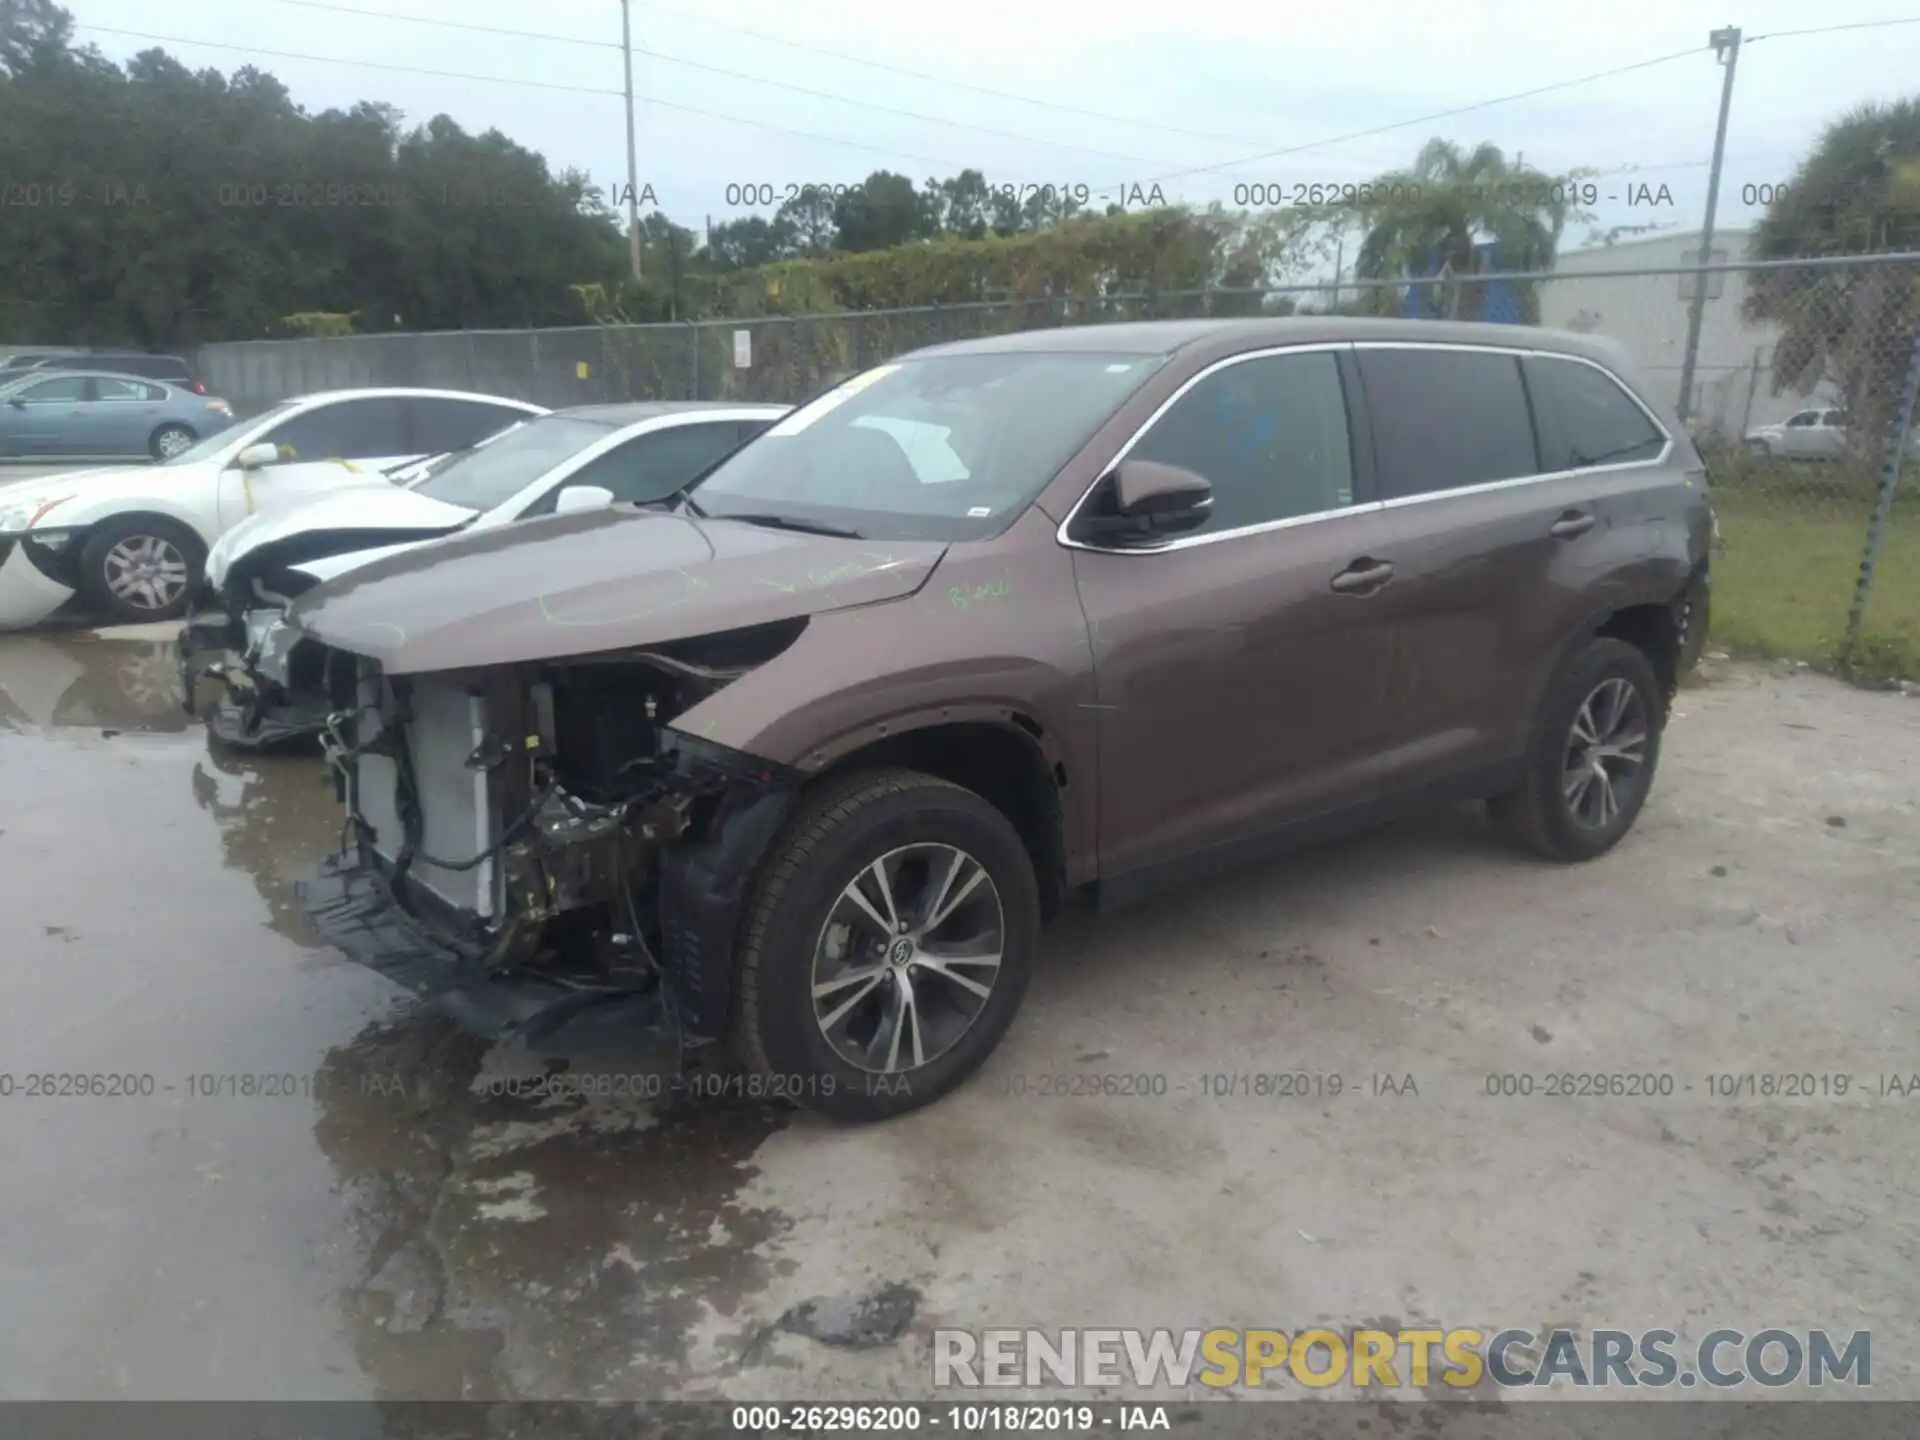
(1181, 94)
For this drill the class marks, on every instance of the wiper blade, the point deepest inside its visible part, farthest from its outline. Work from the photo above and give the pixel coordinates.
(789, 522)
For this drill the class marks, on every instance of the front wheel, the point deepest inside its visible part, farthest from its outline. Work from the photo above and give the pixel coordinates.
(887, 945)
(1593, 756)
(138, 569)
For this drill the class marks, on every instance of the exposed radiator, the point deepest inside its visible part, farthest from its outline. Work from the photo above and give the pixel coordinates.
(457, 812)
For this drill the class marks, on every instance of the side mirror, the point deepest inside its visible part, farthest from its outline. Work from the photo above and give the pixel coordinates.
(1144, 501)
(16, 402)
(258, 457)
(576, 498)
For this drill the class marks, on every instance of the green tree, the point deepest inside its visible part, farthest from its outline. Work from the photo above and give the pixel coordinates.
(30, 27)
(1858, 192)
(880, 212)
(742, 244)
(961, 206)
(1426, 220)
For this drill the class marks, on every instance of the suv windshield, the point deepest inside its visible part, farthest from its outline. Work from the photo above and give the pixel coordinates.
(949, 447)
(493, 473)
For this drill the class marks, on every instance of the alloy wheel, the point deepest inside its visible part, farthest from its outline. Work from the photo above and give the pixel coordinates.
(908, 958)
(1606, 754)
(146, 572)
(172, 442)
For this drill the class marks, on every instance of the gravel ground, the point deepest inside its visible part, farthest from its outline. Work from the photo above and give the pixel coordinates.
(385, 1228)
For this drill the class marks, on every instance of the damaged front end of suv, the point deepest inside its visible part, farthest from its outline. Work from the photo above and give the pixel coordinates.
(537, 849)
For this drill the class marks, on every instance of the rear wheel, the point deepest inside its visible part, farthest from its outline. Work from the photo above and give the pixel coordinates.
(170, 440)
(139, 568)
(887, 945)
(1593, 756)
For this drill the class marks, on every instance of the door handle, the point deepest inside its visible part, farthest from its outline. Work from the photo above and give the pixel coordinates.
(1363, 577)
(1572, 523)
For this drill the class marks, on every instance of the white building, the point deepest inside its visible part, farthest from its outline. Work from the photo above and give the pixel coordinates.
(1733, 389)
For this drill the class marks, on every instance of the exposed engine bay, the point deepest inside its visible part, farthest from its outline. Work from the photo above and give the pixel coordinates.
(226, 637)
(547, 820)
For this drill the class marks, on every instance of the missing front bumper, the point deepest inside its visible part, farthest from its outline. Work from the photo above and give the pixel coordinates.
(351, 903)
(251, 710)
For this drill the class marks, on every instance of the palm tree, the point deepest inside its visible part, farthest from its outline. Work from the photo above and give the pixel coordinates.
(1426, 221)
(1857, 193)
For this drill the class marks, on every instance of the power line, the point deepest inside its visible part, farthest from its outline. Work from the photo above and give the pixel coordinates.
(732, 74)
(455, 24)
(931, 78)
(1830, 29)
(1438, 114)
(537, 84)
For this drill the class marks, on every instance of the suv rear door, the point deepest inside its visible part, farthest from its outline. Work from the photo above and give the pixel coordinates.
(1235, 687)
(1505, 479)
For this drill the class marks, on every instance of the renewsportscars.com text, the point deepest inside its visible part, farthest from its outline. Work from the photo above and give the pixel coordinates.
(1390, 1359)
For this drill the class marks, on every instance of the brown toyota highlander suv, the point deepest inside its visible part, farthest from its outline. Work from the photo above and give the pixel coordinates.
(786, 771)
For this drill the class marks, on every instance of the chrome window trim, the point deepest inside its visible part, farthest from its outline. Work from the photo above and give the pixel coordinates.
(1374, 506)
(1265, 353)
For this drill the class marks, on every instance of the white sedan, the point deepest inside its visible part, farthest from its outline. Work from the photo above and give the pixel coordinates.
(564, 462)
(133, 542)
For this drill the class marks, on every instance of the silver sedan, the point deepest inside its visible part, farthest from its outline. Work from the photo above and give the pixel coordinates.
(74, 416)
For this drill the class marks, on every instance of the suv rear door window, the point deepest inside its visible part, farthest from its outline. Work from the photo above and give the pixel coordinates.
(1586, 418)
(1446, 419)
(1270, 436)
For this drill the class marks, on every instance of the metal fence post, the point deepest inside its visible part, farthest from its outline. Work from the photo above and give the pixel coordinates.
(1883, 502)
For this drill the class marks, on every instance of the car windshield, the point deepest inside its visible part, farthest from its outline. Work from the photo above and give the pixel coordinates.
(492, 474)
(211, 445)
(949, 447)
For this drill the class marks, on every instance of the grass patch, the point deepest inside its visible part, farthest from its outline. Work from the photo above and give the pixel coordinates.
(1783, 585)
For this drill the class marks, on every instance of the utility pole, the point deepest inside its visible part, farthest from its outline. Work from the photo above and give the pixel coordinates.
(633, 164)
(1726, 47)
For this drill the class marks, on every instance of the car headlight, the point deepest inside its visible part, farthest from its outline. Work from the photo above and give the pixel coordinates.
(20, 517)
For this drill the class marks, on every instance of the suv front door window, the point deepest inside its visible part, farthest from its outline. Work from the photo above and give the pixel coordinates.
(1270, 436)
(1234, 683)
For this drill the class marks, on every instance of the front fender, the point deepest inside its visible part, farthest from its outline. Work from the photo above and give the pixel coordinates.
(83, 512)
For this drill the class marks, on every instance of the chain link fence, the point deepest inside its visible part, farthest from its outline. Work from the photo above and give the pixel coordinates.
(1802, 386)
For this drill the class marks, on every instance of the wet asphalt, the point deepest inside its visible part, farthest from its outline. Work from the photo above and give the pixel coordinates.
(308, 1186)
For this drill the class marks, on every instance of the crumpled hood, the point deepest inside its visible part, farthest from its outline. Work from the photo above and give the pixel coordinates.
(602, 580)
(354, 517)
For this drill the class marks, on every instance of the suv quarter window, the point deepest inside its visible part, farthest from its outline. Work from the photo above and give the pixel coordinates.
(1268, 433)
(1446, 419)
(1585, 416)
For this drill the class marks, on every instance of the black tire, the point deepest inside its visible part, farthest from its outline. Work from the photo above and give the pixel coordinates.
(96, 584)
(1537, 814)
(166, 440)
(838, 832)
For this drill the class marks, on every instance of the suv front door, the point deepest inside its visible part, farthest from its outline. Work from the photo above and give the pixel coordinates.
(1235, 688)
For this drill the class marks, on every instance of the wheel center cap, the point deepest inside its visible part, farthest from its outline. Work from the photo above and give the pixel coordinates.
(901, 952)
